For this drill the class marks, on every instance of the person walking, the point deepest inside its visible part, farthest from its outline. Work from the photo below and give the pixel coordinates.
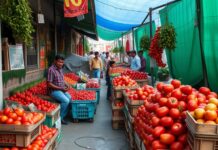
(91, 56)
(143, 62)
(96, 66)
(135, 62)
(57, 87)
(111, 65)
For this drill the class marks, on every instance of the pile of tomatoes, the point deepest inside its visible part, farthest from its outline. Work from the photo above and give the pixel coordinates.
(69, 80)
(40, 88)
(160, 122)
(119, 104)
(27, 98)
(140, 93)
(40, 142)
(92, 84)
(82, 94)
(135, 75)
(124, 81)
(117, 70)
(72, 76)
(18, 116)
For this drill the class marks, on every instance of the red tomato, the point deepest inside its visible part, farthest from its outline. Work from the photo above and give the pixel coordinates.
(182, 106)
(7, 110)
(167, 138)
(157, 145)
(176, 93)
(174, 113)
(168, 88)
(163, 101)
(162, 111)
(176, 83)
(155, 121)
(187, 89)
(160, 86)
(176, 146)
(9, 121)
(172, 102)
(177, 129)
(192, 105)
(166, 121)
(158, 131)
(204, 90)
(183, 138)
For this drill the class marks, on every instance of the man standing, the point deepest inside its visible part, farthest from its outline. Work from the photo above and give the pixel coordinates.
(135, 62)
(91, 55)
(143, 62)
(57, 86)
(96, 66)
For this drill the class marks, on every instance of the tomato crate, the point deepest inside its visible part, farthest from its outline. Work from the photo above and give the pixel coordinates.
(129, 132)
(51, 145)
(52, 117)
(129, 118)
(202, 142)
(118, 123)
(143, 82)
(198, 129)
(83, 109)
(138, 141)
(19, 135)
(98, 93)
(117, 111)
(132, 102)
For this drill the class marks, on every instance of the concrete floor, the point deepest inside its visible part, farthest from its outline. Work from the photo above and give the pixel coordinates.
(98, 135)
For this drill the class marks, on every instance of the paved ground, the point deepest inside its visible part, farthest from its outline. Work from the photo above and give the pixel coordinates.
(98, 135)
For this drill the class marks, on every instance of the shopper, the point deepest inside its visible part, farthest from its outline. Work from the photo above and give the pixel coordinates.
(143, 62)
(58, 87)
(96, 65)
(91, 56)
(111, 65)
(129, 58)
(135, 62)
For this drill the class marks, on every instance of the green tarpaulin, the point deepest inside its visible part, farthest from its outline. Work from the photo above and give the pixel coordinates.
(185, 61)
(107, 34)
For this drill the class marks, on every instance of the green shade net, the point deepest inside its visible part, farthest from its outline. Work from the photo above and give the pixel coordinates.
(185, 61)
(108, 35)
(138, 34)
(209, 21)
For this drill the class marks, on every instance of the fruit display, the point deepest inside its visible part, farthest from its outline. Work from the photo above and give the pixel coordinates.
(92, 84)
(82, 94)
(26, 98)
(40, 88)
(72, 76)
(160, 122)
(18, 116)
(40, 142)
(140, 93)
(135, 75)
(119, 104)
(124, 81)
(69, 80)
(117, 70)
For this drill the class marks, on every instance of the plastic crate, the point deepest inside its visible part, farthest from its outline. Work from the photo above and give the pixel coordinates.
(83, 109)
(98, 91)
(52, 117)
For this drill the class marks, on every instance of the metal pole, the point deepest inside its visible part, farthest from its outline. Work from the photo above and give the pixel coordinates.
(204, 67)
(55, 29)
(133, 43)
(1, 92)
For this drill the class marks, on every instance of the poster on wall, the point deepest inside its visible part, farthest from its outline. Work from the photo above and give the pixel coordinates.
(16, 57)
(74, 8)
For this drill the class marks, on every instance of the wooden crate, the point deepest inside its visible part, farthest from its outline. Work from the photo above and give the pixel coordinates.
(129, 133)
(117, 111)
(132, 102)
(118, 91)
(138, 141)
(142, 83)
(202, 143)
(118, 123)
(52, 144)
(200, 129)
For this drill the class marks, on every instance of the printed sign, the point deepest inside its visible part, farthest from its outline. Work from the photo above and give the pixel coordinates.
(74, 8)
(16, 57)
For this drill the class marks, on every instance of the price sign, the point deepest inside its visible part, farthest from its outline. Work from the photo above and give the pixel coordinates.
(32, 107)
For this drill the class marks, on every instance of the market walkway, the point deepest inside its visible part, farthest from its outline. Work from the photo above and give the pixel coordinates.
(98, 135)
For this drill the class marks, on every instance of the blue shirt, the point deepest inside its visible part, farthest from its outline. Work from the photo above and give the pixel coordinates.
(135, 63)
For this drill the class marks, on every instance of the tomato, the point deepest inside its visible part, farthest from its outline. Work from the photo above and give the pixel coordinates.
(182, 106)
(177, 129)
(199, 113)
(168, 88)
(160, 86)
(192, 105)
(9, 121)
(176, 146)
(187, 89)
(177, 94)
(210, 106)
(174, 113)
(155, 121)
(166, 121)
(200, 121)
(17, 122)
(210, 122)
(13, 116)
(213, 94)
(182, 138)
(7, 110)
(4, 119)
(157, 145)
(214, 101)
(19, 111)
(163, 101)
(167, 138)
(172, 102)
(204, 90)
(158, 131)
(192, 97)
(176, 83)
(14, 148)
(162, 111)
(210, 115)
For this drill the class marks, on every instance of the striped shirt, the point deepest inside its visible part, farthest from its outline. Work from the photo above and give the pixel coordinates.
(56, 76)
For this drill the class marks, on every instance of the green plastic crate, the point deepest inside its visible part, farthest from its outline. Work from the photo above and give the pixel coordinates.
(52, 117)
